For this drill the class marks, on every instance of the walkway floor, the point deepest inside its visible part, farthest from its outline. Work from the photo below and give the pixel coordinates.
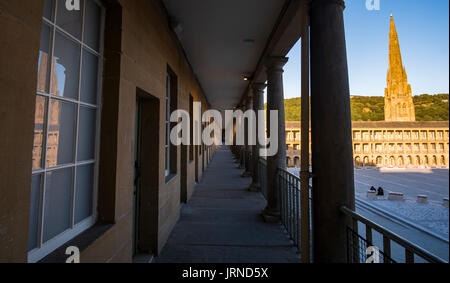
(222, 222)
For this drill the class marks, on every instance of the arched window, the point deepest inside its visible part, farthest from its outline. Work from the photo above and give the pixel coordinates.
(392, 161)
(442, 163)
(357, 161)
(417, 160)
(297, 161)
(379, 161)
(401, 161)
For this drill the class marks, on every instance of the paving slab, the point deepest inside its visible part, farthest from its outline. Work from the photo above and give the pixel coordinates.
(222, 222)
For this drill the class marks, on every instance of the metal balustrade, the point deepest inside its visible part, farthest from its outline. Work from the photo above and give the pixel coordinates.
(291, 210)
(357, 244)
(357, 253)
(290, 195)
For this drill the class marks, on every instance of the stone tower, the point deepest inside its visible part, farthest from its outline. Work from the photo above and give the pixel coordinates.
(399, 105)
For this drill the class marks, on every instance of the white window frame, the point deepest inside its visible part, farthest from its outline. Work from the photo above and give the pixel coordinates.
(50, 246)
(167, 145)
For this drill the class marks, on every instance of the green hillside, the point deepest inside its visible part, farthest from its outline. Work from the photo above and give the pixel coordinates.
(365, 108)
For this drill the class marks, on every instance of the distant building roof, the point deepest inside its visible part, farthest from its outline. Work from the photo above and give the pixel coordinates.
(384, 124)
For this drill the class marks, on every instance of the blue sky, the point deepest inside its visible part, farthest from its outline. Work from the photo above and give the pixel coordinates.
(423, 30)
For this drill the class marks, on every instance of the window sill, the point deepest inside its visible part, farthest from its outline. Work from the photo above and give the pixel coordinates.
(170, 178)
(82, 241)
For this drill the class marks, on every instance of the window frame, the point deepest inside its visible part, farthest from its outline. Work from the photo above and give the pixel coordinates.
(167, 162)
(45, 248)
(171, 151)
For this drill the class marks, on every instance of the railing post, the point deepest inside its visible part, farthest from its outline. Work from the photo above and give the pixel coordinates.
(369, 234)
(409, 256)
(386, 248)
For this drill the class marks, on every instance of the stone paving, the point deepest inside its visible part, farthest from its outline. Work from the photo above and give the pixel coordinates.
(433, 216)
(222, 222)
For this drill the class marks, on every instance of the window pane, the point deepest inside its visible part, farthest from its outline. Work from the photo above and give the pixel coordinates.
(89, 77)
(39, 134)
(57, 203)
(70, 21)
(84, 192)
(86, 134)
(43, 61)
(34, 212)
(92, 25)
(61, 133)
(66, 61)
(48, 8)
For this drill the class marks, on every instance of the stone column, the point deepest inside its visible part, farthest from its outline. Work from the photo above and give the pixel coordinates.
(248, 147)
(275, 101)
(258, 104)
(305, 174)
(242, 147)
(333, 176)
(234, 146)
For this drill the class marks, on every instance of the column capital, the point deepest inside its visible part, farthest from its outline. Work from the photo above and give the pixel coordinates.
(258, 88)
(315, 3)
(276, 64)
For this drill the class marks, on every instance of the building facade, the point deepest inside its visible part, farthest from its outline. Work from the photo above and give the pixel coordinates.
(86, 159)
(388, 144)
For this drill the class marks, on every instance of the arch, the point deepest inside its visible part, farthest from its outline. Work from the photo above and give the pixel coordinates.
(409, 160)
(366, 161)
(434, 160)
(400, 161)
(417, 160)
(442, 160)
(379, 161)
(425, 161)
(296, 161)
(288, 161)
(358, 161)
(392, 161)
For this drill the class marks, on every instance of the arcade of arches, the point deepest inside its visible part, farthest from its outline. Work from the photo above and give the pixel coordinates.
(387, 144)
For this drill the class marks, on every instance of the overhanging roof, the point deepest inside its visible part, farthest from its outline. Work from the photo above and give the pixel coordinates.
(226, 39)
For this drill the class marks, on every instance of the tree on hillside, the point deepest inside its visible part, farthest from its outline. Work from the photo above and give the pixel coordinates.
(366, 108)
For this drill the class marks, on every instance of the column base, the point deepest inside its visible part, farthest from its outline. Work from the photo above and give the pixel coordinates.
(271, 216)
(247, 174)
(255, 187)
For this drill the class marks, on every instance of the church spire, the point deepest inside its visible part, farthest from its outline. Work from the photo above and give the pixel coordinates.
(395, 56)
(399, 104)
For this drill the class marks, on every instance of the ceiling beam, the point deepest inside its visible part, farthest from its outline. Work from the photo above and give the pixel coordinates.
(286, 32)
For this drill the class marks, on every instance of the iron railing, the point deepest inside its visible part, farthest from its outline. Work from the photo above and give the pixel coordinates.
(290, 207)
(360, 248)
(356, 243)
(290, 196)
